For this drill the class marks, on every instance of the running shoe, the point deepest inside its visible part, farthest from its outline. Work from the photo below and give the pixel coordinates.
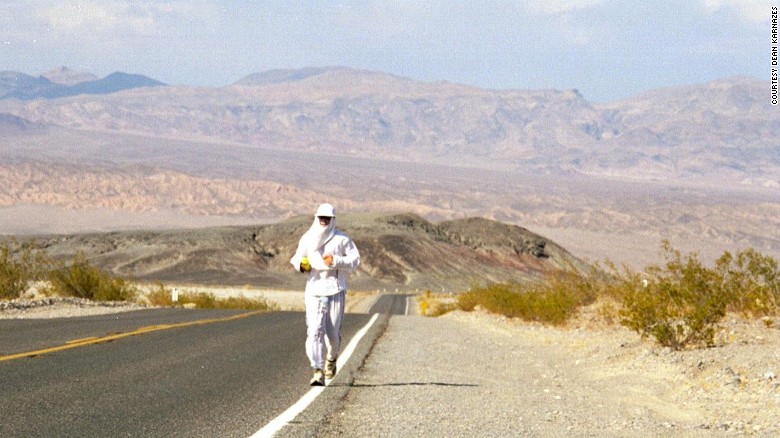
(318, 379)
(330, 368)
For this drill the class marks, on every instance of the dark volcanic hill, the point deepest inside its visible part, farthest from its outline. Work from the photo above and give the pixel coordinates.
(398, 251)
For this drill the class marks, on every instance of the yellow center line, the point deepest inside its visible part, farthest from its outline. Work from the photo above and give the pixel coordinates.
(78, 341)
(143, 330)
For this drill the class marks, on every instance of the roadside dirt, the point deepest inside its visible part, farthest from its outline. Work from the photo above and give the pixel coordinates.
(476, 374)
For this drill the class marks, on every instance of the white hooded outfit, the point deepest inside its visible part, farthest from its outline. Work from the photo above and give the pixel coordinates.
(326, 286)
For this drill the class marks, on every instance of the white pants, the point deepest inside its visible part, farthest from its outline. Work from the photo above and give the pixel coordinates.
(323, 327)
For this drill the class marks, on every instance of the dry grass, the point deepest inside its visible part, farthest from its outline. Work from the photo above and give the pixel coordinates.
(163, 296)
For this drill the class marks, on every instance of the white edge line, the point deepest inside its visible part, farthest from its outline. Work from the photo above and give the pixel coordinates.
(289, 415)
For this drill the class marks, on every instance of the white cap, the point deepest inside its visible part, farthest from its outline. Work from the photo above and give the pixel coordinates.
(326, 210)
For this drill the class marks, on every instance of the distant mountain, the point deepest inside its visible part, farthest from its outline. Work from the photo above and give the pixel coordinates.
(12, 124)
(279, 76)
(720, 130)
(113, 83)
(724, 128)
(322, 75)
(14, 85)
(12, 82)
(65, 76)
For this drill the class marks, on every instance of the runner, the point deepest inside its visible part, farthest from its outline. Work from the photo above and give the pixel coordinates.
(328, 256)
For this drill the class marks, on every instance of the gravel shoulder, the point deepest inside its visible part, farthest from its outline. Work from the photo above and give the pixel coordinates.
(474, 374)
(58, 307)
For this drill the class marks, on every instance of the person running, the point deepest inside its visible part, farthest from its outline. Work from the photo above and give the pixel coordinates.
(328, 256)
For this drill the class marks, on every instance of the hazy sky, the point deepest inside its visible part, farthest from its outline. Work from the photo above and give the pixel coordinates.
(606, 49)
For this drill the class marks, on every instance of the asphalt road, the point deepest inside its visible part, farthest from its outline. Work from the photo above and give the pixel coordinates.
(226, 378)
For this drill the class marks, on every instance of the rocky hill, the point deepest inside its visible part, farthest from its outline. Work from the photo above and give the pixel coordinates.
(401, 251)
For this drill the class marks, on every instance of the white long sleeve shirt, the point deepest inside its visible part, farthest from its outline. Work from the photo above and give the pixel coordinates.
(332, 279)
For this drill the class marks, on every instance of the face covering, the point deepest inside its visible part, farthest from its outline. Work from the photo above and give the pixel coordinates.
(316, 237)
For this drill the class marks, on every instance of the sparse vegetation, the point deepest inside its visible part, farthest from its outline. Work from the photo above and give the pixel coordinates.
(432, 304)
(82, 280)
(205, 300)
(162, 296)
(19, 266)
(553, 301)
(679, 304)
(159, 296)
(752, 281)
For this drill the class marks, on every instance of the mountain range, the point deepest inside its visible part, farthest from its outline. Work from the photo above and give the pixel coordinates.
(720, 130)
(63, 82)
(697, 164)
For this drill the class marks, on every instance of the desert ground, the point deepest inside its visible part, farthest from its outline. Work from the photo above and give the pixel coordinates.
(596, 219)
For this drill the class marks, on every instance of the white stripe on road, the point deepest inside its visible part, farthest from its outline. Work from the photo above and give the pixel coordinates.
(289, 415)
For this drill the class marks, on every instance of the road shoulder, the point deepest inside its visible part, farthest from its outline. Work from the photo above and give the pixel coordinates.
(472, 374)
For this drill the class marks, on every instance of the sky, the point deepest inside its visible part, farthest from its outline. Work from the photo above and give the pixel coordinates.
(606, 49)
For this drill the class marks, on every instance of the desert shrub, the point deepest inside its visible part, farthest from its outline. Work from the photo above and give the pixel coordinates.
(201, 300)
(242, 302)
(424, 303)
(553, 301)
(608, 311)
(495, 298)
(468, 301)
(82, 280)
(751, 281)
(679, 304)
(439, 308)
(204, 300)
(579, 286)
(431, 304)
(161, 296)
(19, 266)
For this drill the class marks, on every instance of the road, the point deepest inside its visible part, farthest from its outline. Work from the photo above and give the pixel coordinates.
(226, 377)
